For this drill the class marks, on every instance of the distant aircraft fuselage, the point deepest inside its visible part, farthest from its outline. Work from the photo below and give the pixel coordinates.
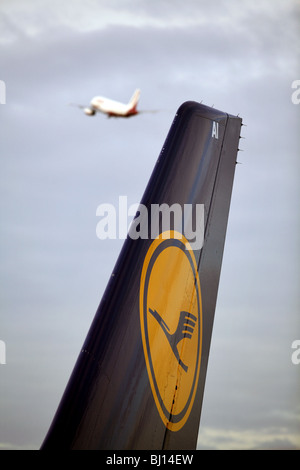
(113, 108)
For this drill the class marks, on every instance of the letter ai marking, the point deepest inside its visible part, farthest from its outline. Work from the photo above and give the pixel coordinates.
(215, 130)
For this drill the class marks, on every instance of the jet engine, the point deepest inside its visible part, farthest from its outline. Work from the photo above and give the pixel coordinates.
(89, 111)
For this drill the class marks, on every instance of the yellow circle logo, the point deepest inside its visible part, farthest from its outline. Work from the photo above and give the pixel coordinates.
(171, 325)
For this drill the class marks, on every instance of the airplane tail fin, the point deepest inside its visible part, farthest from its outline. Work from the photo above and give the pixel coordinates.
(139, 379)
(133, 102)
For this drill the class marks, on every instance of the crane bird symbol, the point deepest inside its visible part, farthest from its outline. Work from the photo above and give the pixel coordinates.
(185, 329)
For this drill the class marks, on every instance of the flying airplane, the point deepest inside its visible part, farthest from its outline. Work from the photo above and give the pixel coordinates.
(139, 379)
(111, 107)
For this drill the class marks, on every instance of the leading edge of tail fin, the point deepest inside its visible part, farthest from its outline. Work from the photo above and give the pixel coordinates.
(139, 379)
(133, 102)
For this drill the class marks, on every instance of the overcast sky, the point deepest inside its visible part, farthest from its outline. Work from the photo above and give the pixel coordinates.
(57, 165)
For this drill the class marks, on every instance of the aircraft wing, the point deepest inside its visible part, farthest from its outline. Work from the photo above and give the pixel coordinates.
(139, 379)
(80, 106)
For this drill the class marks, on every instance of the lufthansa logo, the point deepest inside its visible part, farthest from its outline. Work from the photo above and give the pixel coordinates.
(171, 326)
